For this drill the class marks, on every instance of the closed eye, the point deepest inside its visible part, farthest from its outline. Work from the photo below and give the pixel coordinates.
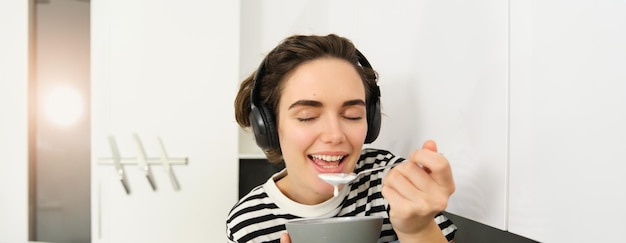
(307, 119)
(354, 118)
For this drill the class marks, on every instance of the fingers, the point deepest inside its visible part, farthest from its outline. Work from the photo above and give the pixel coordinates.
(433, 181)
(412, 207)
(285, 238)
(416, 187)
(435, 164)
(417, 191)
(430, 145)
(407, 177)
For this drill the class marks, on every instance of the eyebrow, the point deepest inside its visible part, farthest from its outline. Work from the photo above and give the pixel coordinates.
(314, 103)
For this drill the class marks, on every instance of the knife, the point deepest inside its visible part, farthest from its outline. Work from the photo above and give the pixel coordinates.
(167, 165)
(142, 161)
(118, 164)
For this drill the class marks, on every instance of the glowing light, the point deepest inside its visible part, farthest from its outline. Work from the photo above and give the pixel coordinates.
(63, 106)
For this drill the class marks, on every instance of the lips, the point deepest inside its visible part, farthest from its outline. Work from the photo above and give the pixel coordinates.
(327, 163)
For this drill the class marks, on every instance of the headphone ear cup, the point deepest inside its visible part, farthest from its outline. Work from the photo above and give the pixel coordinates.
(373, 121)
(264, 127)
(272, 132)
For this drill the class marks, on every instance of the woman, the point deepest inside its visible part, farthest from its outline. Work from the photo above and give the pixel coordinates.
(312, 104)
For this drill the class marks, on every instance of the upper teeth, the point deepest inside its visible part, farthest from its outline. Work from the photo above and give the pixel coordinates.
(327, 157)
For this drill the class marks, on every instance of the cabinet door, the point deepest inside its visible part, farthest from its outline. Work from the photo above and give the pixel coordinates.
(568, 110)
(15, 22)
(168, 70)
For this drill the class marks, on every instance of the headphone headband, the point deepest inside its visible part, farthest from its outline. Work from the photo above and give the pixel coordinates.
(255, 92)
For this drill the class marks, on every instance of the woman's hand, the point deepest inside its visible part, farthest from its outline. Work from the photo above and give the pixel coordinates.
(285, 238)
(417, 191)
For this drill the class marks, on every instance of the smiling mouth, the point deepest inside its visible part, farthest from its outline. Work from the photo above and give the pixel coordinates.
(327, 161)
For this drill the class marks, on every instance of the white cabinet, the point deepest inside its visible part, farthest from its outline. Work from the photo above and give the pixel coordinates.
(165, 69)
(568, 120)
(15, 58)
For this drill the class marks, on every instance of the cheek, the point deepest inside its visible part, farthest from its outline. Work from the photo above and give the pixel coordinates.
(358, 134)
(294, 138)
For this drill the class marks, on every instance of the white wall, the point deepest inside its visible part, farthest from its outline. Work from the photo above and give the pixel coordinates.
(443, 71)
(568, 120)
(14, 79)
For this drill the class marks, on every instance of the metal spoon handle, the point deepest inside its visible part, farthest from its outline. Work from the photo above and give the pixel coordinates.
(380, 168)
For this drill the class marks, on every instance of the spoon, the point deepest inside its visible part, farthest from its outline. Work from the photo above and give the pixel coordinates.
(337, 179)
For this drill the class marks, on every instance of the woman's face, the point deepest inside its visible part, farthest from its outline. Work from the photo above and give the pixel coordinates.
(321, 126)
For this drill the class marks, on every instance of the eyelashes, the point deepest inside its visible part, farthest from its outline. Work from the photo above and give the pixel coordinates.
(309, 119)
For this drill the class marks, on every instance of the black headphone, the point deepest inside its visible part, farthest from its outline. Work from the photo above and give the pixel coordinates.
(263, 122)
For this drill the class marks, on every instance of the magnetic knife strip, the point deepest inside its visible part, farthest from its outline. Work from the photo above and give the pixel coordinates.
(142, 161)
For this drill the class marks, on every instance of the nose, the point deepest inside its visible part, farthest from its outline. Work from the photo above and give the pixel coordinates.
(332, 131)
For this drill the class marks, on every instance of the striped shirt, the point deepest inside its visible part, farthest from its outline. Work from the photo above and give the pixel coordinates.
(260, 216)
